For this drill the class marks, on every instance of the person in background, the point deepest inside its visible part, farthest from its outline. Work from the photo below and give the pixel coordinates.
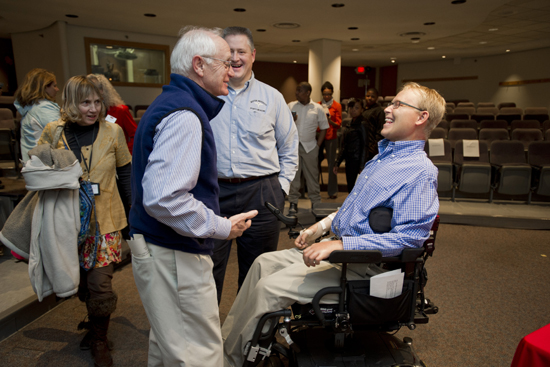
(352, 149)
(117, 111)
(373, 117)
(35, 101)
(104, 157)
(331, 138)
(308, 117)
(257, 151)
(175, 214)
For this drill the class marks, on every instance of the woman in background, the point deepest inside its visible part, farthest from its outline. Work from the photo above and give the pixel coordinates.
(117, 111)
(331, 138)
(35, 101)
(352, 149)
(104, 157)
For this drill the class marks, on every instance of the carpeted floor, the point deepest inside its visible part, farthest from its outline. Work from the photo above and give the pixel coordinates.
(491, 286)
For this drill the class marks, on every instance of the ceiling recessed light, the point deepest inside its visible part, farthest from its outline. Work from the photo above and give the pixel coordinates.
(393, 61)
(443, 57)
(355, 49)
(493, 29)
(352, 28)
(431, 48)
(150, 15)
(415, 41)
(108, 46)
(286, 25)
(483, 42)
(429, 23)
(507, 50)
(239, 10)
(337, 5)
(71, 16)
(456, 2)
(295, 40)
(295, 61)
(260, 30)
(355, 39)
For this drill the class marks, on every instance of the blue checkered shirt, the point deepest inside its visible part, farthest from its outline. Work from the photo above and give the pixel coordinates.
(401, 177)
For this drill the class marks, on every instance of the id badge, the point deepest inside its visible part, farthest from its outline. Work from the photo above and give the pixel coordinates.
(110, 119)
(95, 188)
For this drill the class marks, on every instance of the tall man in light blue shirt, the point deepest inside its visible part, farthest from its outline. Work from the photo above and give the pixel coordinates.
(257, 151)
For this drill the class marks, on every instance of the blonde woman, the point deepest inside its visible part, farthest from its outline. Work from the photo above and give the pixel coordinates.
(117, 111)
(35, 101)
(104, 157)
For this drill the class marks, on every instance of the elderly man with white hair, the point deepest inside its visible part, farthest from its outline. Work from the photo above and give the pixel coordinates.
(175, 214)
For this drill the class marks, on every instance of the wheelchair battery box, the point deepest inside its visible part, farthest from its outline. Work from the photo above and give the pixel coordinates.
(368, 310)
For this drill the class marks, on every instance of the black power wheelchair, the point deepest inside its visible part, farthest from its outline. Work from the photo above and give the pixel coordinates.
(356, 331)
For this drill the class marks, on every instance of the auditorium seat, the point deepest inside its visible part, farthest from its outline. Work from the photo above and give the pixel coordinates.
(457, 116)
(461, 134)
(547, 135)
(536, 113)
(7, 119)
(487, 110)
(473, 174)
(438, 133)
(449, 107)
(545, 126)
(444, 124)
(512, 173)
(444, 165)
(526, 136)
(464, 124)
(139, 113)
(465, 110)
(506, 104)
(539, 159)
(493, 124)
(138, 108)
(465, 104)
(524, 124)
(486, 104)
(491, 135)
(509, 114)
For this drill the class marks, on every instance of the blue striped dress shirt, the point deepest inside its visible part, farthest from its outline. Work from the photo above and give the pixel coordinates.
(171, 172)
(401, 177)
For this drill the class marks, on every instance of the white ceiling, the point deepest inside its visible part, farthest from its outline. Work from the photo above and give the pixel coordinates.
(460, 30)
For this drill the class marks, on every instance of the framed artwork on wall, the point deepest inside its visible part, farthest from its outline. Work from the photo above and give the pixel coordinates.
(126, 63)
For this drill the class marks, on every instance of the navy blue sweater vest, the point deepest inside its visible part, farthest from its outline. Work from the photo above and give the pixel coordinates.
(181, 94)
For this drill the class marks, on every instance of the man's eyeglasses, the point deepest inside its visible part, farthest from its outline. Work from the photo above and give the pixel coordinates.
(226, 63)
(397, 104)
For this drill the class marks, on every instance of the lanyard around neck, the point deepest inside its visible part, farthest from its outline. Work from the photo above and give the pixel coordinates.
(91, 151)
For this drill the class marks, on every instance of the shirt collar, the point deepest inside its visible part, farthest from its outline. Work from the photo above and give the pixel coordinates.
(400, 147)
(246, 84)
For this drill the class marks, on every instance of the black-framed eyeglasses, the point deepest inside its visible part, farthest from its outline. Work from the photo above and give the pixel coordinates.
(397, 104)
(226, 63)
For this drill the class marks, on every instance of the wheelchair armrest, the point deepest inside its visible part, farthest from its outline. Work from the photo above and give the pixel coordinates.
(355, 256)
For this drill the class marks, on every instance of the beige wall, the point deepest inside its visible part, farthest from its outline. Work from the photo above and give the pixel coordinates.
(491, 70)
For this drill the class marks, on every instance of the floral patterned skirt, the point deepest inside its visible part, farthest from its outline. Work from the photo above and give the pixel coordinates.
(109, 249)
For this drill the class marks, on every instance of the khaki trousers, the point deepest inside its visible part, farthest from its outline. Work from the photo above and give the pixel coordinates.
(179, 296)
(275, 281)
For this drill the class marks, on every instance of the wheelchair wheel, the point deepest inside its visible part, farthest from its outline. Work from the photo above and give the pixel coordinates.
(272, 361)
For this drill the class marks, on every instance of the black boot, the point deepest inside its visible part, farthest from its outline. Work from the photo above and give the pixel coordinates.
(99, 313)
(100, 349)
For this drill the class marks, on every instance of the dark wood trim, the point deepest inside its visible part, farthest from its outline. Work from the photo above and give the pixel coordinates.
(523, 82)
(455, 78)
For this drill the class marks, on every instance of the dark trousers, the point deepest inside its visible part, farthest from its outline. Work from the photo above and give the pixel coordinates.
(263, 234)
(353, 168)
(97, 283)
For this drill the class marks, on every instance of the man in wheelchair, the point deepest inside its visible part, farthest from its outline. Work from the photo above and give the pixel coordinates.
(400, 177)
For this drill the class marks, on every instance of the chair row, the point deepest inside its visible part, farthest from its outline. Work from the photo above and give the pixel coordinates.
(495, 124)
(504, 168)
(454, 105)
(525, 136)
(490, 113)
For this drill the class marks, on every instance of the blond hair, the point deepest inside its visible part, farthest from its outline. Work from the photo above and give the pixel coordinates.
(76, 90)
(431, 101)
(34, 87)
(111, 98)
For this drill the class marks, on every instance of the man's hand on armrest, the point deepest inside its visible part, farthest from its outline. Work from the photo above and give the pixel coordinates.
(320, 251)
(240, 223)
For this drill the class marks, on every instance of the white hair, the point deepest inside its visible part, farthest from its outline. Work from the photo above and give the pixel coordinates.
(193, 41)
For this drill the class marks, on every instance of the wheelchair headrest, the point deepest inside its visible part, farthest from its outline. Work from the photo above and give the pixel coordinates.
(380, 219)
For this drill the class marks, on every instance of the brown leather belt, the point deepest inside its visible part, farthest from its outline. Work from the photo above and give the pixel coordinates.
(240, 180)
